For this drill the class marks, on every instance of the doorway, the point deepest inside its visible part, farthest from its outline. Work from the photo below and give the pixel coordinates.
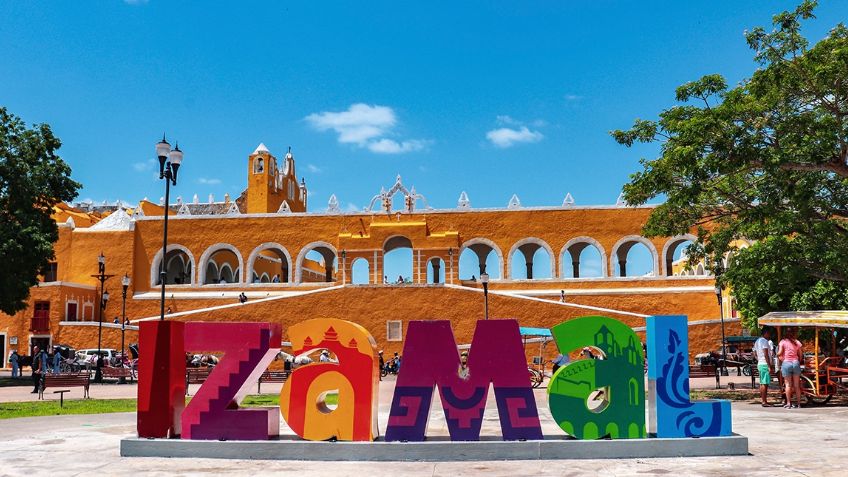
(43, 342)
(3, 356)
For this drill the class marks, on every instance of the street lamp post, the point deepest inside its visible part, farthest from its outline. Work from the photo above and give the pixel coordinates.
(718, 292)
(125, 283)
(104, 298)
(169, 164)
(484, 279)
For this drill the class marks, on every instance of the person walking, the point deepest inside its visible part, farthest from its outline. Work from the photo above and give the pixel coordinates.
(57, 359)
(789, 350)
(15, 360)
(39, 366)
(764, 364)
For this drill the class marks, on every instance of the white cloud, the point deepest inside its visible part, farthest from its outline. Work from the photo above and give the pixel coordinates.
(144, 166)
(507, 120)
(204, 180)
(365, 126)
(390, 146)
(572, 97)
(507, 137)
(313, 168)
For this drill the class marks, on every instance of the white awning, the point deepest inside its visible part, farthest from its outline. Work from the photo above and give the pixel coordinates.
(825, 319)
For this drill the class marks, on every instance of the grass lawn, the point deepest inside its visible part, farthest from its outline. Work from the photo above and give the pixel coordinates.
(10, 410)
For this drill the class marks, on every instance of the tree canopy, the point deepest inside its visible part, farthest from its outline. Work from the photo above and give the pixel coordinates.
(33, 179)
(766, 161)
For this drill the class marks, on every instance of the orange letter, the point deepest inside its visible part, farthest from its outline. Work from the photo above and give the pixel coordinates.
(353, 373)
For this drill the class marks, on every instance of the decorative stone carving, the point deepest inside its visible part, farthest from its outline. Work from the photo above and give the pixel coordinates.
(385, 198)
(514, 203)
(333, 205)
(568, 201)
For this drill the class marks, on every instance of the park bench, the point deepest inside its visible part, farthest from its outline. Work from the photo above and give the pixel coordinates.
(110, 372)
(196, 376)
(271, 377)
(755, 373)
(704, 371)
(65, 381)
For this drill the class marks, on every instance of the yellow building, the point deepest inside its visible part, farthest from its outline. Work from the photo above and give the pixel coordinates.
(293, 265)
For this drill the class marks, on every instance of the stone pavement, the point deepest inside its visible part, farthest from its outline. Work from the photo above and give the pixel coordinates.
(808, 441)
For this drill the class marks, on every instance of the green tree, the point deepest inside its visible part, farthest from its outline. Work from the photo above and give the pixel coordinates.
(32, 180)
(767, 161)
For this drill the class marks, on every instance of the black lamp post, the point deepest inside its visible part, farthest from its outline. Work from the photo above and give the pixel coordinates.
(484, 279)
(718, 292)
(104, 298)
(125, 283)
(169, 164)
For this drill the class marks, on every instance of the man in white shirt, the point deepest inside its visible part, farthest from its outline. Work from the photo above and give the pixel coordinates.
(765, 364)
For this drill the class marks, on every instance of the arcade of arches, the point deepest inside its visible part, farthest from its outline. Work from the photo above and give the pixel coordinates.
(294, 265)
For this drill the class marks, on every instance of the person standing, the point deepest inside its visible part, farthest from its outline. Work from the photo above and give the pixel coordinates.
(790, 352)
(57, 359)
(39, 366)
(15, 359)
(764, 364)
(382, 363)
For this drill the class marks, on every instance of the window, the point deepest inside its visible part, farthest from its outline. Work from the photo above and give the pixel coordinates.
(42, 309)
(258, 166)
(50, 273)
(394, 330)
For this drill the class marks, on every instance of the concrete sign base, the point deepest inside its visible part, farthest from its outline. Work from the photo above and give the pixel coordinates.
(437, 449)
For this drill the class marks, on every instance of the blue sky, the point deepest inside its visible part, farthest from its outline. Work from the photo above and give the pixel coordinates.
(492, 98)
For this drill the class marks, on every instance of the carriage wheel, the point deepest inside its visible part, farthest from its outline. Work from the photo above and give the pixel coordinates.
(535, 377)
(809, 390)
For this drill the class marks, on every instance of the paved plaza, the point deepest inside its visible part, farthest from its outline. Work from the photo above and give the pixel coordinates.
(808, 441)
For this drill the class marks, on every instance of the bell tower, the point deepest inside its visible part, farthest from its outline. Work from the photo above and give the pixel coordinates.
(271, 189)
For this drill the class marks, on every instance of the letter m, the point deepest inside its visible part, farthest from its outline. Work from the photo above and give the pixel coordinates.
(431, 358)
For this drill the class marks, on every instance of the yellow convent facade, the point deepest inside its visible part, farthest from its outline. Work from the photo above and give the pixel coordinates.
(293, 265)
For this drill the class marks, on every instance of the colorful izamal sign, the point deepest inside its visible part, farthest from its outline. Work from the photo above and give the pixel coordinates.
(588, 398)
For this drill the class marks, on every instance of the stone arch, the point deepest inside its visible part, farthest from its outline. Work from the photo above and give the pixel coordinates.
(207, 254)
(210, 270)
(435, 270)
(670, 247)
(282, 251)
(622, 247)
(327, 251)
(480, 245)
(528, 247)
(576, 246)
(399, 259)
(226, 273)
(154, 265)
(395, 242)
(355, 271)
